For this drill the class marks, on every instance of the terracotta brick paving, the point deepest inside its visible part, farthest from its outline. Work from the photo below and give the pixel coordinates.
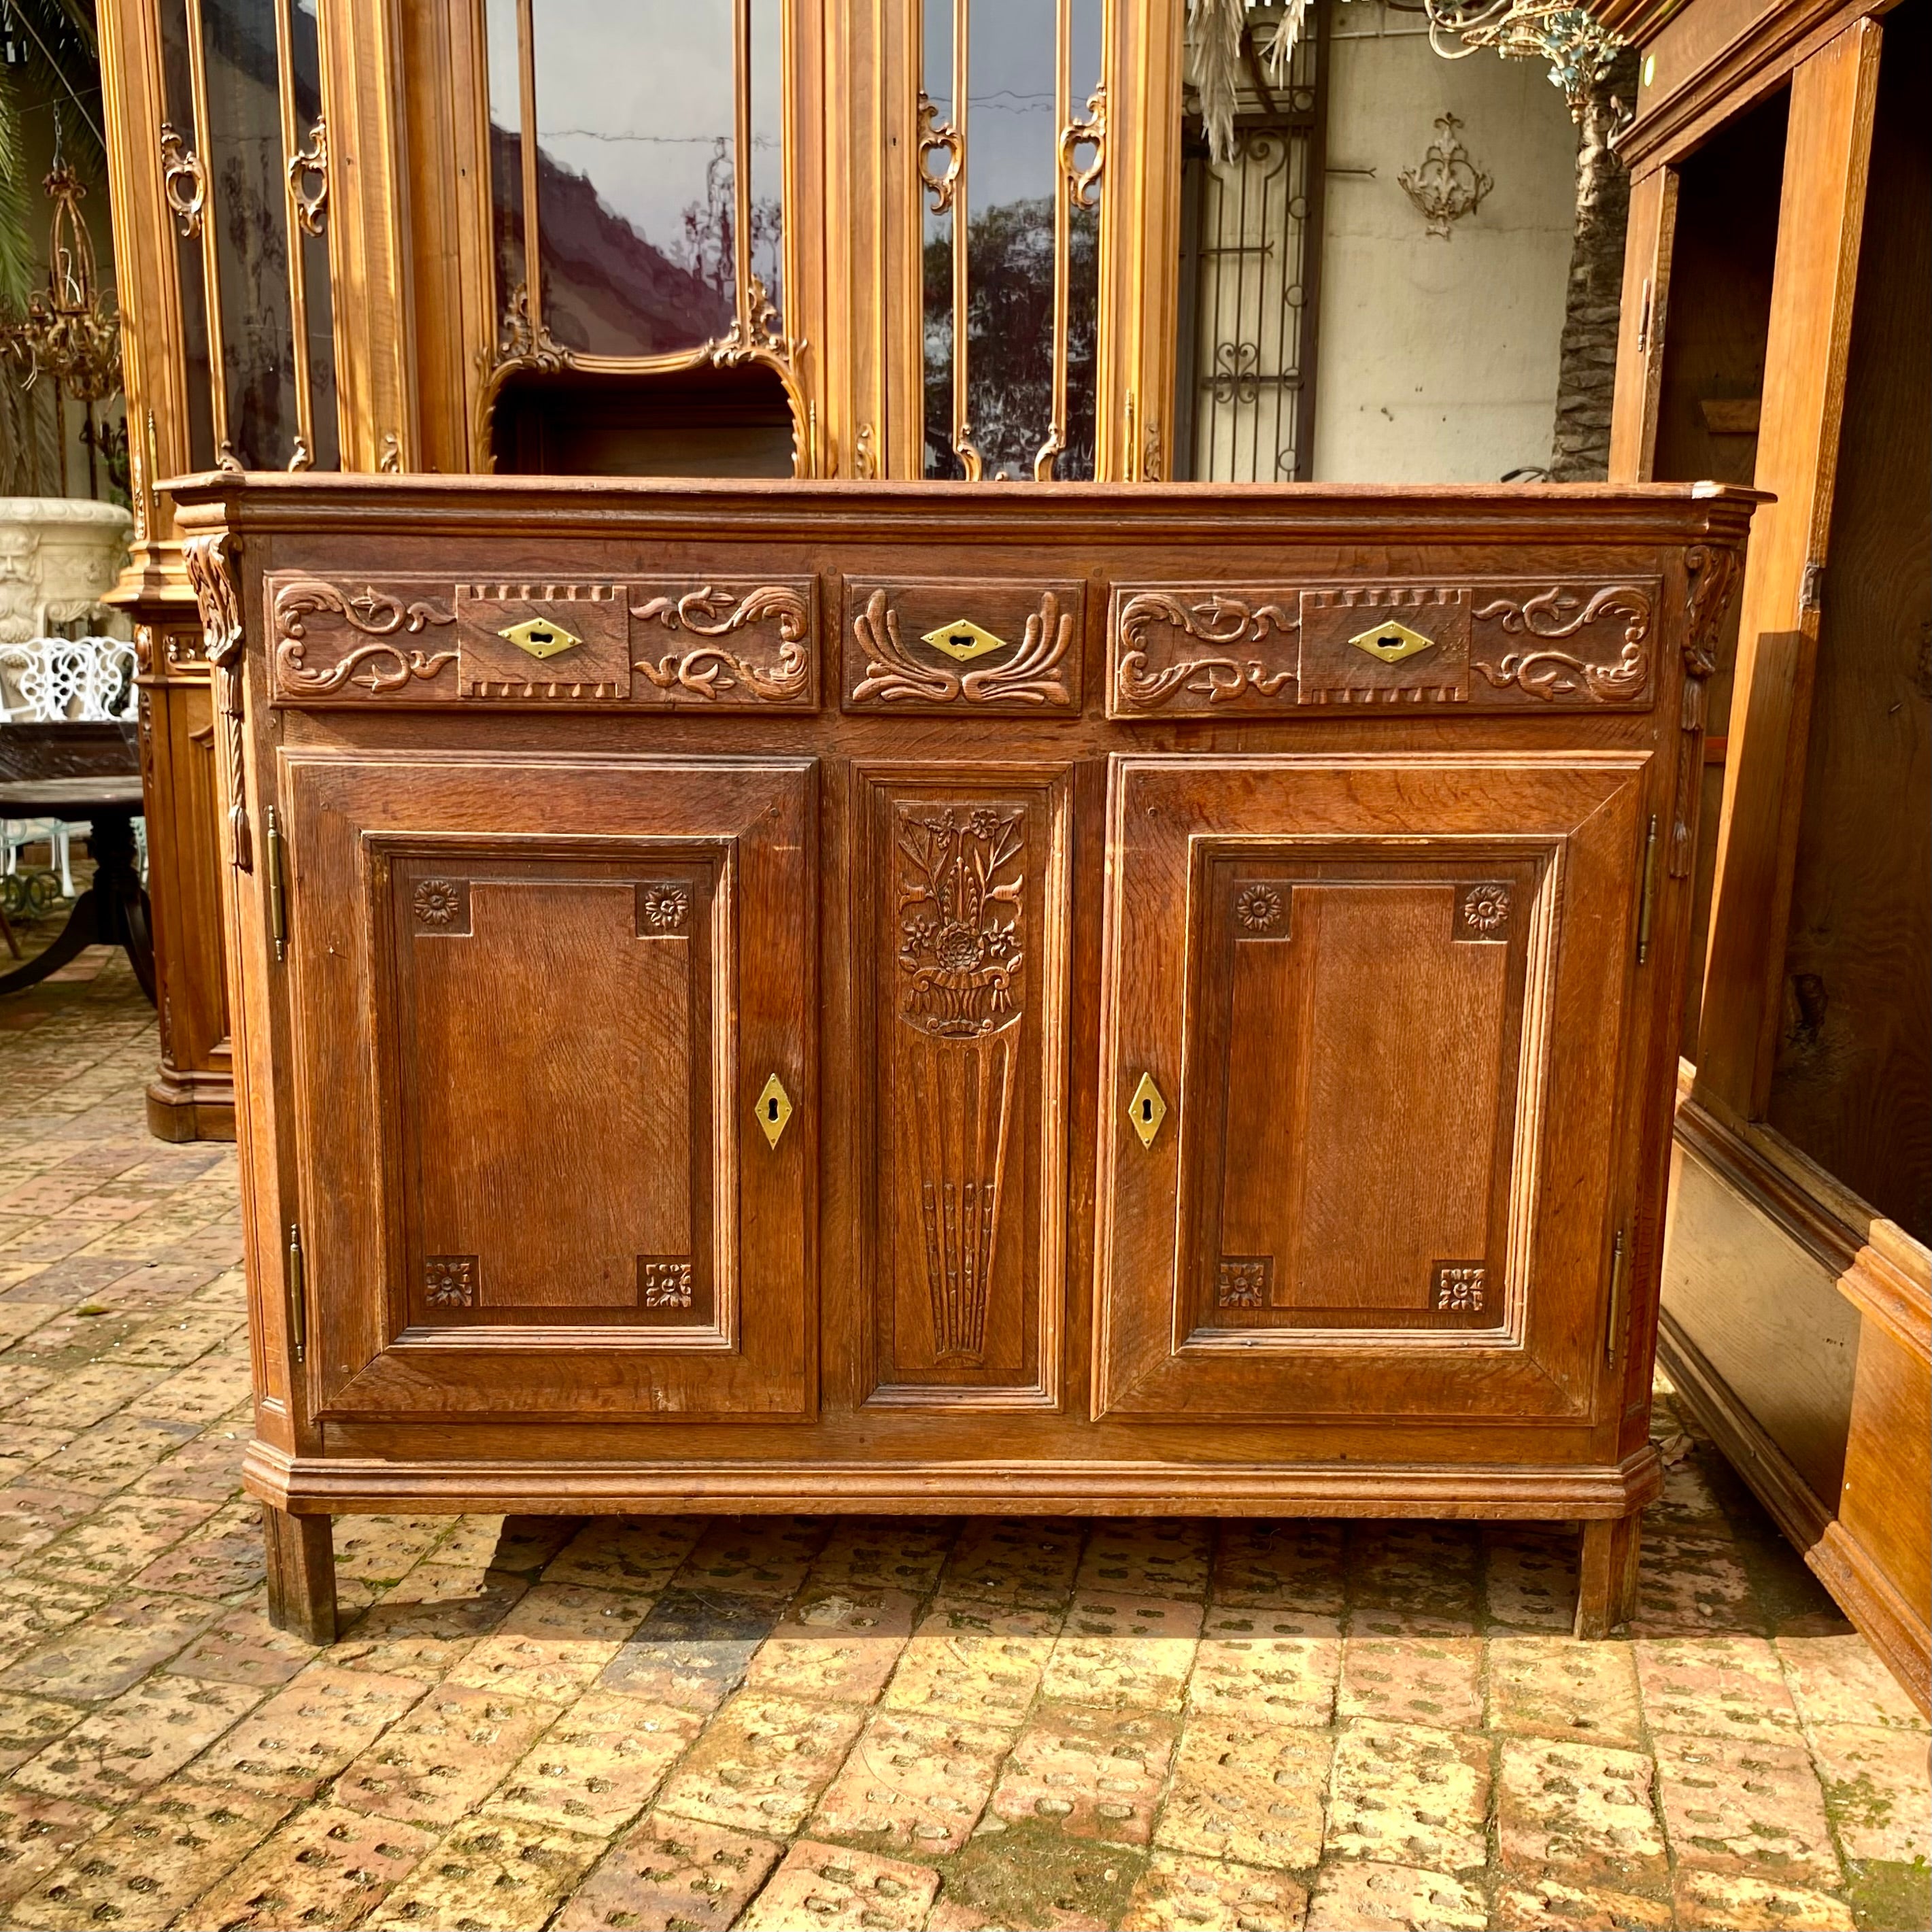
(673, 1724)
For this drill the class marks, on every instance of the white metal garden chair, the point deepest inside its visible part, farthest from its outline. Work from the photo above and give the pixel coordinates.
(46, 680)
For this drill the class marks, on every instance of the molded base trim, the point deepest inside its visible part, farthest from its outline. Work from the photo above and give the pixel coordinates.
(1840, 1562)
(191, 1107)
(313, 1486)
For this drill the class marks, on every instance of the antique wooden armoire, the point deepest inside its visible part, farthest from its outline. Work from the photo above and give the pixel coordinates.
(927, 998)
(1776, 331)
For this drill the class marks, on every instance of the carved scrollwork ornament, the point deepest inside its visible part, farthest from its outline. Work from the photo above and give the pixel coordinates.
(184, 182)
(711, 613)
(1089, 132)
(1031, 675)
(209, 562)
(1215, 621)
(382, 667)
(937, 136)
(307, 164)
(1558, 614)
(1712, 570)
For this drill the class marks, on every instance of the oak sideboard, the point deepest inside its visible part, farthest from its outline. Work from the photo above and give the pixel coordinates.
(977, 998)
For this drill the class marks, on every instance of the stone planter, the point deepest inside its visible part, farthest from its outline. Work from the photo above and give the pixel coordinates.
(59, 556)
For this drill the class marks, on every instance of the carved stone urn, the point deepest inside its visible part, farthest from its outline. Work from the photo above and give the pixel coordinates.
(59, 556)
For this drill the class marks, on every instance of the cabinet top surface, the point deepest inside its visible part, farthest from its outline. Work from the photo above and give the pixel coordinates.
(1050, 514)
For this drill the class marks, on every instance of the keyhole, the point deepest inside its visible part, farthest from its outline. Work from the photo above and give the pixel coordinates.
(1391, 643)
(542, 637)
(771, 1110)
(1147, 1110)
(962, 641)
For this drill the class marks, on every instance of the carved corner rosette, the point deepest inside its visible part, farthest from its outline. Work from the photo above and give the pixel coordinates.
(209, 561)
(1030, 675)
(1225, 624)
(712, 613)
(1712, 570)
(379, 667)
(1560, 613)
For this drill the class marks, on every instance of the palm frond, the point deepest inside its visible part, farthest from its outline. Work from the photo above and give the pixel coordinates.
(17, 264)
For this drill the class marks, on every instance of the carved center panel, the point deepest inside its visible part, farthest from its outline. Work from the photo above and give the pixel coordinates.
(970, 949)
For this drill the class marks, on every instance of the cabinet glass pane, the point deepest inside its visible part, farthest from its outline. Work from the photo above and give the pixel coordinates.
(767, 163)
(635, 180)
(1007, 220)
(249, 196)
(506, 148)
(306, 63)
(177, 89)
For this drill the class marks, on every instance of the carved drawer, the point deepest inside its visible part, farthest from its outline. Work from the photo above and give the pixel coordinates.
(1178, 648)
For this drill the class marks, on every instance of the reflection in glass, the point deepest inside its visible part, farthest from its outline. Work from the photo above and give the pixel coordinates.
(177, 94)
(1020, 93)
(636, 190)
(320, 347)
(767, 163)
(1243, 371)
(247, 190)
(506, 147)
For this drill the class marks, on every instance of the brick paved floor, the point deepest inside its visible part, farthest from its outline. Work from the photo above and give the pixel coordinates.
(667, 1722)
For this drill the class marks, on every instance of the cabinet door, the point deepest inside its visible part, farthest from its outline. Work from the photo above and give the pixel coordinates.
(1363, 1022)
(554, 1084)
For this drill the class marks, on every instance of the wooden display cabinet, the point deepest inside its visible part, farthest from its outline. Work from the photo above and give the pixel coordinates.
(879, 996)
(1775, 331)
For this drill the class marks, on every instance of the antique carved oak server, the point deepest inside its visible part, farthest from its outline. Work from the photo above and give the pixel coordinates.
(901, 998)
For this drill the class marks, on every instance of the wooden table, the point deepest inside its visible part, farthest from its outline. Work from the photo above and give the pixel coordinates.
(80, 771)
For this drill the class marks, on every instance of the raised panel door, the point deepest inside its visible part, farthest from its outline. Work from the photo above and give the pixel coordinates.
(1364, 1022)
(556, 1084)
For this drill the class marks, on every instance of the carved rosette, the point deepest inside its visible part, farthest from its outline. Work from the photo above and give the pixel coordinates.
(1713, 570)
(449, 1281)
(1231, 628)
(664, 1284)
(379, 667)
(960, 888)
(210, 565)
(712, 613)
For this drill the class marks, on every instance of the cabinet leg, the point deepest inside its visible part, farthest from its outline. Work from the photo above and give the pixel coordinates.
(301, 1573)
(1606, 1578)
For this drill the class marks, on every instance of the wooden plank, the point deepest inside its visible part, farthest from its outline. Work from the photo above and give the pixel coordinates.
(1648, 243)
(1854, 1059)
(1827, 153)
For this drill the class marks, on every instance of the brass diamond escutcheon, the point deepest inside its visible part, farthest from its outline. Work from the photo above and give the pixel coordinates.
(540, 639)
(1146, 1110)
(1392, 642)
(963, 639)
(774, 1109)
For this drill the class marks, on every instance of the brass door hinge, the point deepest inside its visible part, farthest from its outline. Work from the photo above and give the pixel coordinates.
(298, 1295)
(1619, 1285)
(1645, 906)
(278, 903)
